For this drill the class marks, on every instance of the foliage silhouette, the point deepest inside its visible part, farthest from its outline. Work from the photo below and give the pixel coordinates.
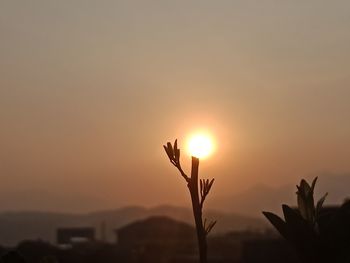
(198, 196)
(318, 234)
(12, 257)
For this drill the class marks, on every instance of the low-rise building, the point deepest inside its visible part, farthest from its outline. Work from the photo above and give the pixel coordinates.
(73, 235)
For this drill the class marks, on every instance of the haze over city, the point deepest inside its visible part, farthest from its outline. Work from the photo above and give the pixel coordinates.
(91, 90)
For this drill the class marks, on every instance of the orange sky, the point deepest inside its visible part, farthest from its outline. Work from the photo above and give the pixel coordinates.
(90, 91)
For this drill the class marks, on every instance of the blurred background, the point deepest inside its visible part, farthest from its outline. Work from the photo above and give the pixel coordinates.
(91, 90)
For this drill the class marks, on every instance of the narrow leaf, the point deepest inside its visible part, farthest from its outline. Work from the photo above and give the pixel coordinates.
(305, 187)
(177, 155)
(300, 229)
(210, 227)
(167, 152)
(302, 204)
(291, 216)
(313, 184)
(278, 223)
(320, 204)
(210, 184)
(310, 207)
(175, 145)
(170, 149)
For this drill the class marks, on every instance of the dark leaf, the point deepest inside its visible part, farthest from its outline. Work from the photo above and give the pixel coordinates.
(310, 207)
(301, 232)
(175, 145)
(306, 200)
(177, 155)
(305, 187)
(302, 204)
(210, 227)
(313, 184)
(278, 223)
(291, 216)
(210, 184)
(170, 149)
(167, 152)
(320, 204)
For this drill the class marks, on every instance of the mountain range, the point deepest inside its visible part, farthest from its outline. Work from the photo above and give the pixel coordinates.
(233, 212)
(18, 226)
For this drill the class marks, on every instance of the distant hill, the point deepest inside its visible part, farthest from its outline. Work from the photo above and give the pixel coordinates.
(235, 212)
(17, 226)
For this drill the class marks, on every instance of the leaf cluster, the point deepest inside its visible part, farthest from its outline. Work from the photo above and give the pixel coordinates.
(317, 234)
(173, 153)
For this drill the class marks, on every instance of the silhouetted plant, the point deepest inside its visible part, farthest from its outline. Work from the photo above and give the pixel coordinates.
(318, 234)
(198, 196)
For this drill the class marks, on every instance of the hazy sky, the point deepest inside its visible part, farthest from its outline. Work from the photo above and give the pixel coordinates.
(90, 90)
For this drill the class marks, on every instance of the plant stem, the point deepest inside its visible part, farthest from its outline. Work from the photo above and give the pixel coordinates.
(197, 211)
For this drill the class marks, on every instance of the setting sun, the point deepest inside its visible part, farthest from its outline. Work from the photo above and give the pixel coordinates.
(200, 145)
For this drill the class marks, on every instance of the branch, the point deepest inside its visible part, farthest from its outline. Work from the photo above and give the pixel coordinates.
(209, 227)
(174, 156)
(205, 187)
(183, 173)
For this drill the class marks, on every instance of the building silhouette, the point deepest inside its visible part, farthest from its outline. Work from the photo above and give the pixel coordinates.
(71, 235)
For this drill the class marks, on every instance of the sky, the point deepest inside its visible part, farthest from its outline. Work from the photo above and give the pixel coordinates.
(91, 90)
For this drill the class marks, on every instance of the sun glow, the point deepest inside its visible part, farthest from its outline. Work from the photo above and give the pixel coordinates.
(200, 145)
